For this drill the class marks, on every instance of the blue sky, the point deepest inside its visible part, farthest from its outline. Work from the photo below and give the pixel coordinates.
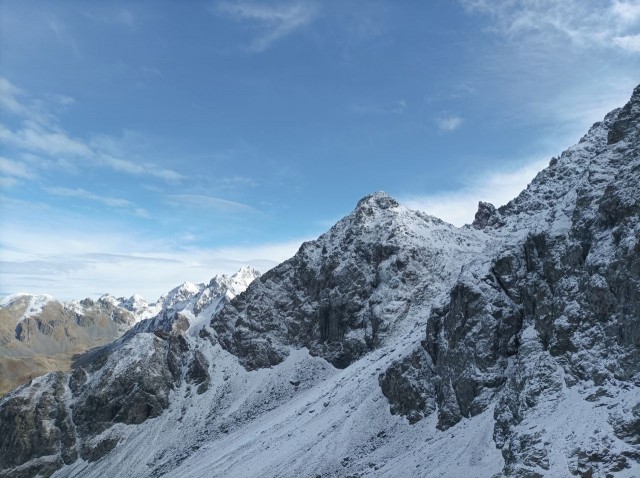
(148, 143)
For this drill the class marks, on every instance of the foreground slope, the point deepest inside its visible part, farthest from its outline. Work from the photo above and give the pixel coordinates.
(394, 345)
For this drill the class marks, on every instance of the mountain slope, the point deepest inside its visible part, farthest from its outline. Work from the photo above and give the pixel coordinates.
(394, 345)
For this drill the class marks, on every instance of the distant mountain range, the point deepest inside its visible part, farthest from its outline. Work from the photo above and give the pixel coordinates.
(394, 345)
(39, 334)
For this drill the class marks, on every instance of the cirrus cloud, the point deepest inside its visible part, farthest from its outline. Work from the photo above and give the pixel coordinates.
(273, 22)
(40, 132)
(605, 24)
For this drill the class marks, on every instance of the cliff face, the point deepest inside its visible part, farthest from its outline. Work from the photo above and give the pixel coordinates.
(343, 294)
(553, 314)
(394, 345)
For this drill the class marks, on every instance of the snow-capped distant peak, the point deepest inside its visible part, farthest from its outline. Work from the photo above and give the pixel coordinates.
(179, 294)
(134, 303)
(234, 285)
(108, 298)
(245, 276)
(9, 299)
(35, 303)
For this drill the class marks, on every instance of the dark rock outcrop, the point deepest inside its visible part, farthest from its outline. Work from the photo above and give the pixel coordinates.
(486, 216)
(408, 386)
(61, 417)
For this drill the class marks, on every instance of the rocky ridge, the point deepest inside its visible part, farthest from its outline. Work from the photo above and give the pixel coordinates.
(190, 306)
(552, 314)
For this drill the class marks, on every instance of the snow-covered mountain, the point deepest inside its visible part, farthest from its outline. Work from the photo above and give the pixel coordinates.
(393, 345)
(191, 306)
(39, 334)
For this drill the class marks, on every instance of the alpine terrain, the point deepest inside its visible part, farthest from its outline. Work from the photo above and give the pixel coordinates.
(393, 345)
(39, 334)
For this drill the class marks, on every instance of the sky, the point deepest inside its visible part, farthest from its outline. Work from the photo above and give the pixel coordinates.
(144, 144)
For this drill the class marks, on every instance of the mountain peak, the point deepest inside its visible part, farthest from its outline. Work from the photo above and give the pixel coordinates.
(487, 215)
(247, 271)
(377, 200)
(626, 125)
(29, 304)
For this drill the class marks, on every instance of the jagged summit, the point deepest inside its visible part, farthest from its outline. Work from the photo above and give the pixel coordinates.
(549, 201)
(627, 124)
(192, 305)
(378, 200)
(240, 280)
(354, 281)
(486, 216)
(370, 207)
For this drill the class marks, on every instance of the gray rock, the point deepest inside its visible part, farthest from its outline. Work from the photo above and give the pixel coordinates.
(408, 386)
(486, 216)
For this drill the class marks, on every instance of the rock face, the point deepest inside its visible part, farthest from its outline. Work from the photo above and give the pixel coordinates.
(62, 417)
(342, 294)
(394, 345)
(556, 308)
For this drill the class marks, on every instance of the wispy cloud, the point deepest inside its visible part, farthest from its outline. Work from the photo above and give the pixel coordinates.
(447, 123)
(584, 24)
(626, 11)
(40, 132)
(35, 138)
(210, 203)
(583, 105)
(14, 169)
(629, 43)
(458, 207)
(456, 91)
(139, 169)
(105, 200)
(9, 97)
(73, 263)
(557, 65)
(273, 22)
(15, 101)
(61, 32)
